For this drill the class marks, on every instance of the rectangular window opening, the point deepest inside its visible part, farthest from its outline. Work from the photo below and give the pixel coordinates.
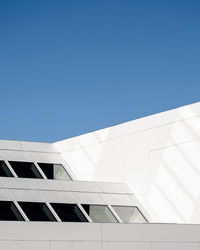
(100, 213)
(37, 211)
(129, 214)
(25, 169)
(69, 212)
(9, 212)
(54, 171)
(4, 170)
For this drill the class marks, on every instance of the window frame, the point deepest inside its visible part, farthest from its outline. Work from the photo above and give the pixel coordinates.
(63, 165)
(52, 211)
(10, 168)
(132, 207)
(29, 162)
(19, 210)
(118, 220)
(88, 219)
(37, 167)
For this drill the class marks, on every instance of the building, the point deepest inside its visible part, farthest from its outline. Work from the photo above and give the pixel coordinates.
(134, 186)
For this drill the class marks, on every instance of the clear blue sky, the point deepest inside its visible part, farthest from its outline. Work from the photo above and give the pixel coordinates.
(69, 67)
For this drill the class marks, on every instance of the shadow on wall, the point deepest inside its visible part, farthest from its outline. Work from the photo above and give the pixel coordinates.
(157, 157)
(175, 191)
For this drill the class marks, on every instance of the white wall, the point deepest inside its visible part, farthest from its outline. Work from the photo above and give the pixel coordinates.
(82, 192)
(97, 236)
(40, 190)
(31, 152)
(158, 157)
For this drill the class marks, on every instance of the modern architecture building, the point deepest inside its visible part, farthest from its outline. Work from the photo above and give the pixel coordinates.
(134, 186)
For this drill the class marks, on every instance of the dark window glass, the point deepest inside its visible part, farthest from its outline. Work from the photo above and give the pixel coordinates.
(4, 170)
(8, 211)
(129, 214)
(36, 211)
(54, 171)
(100, 213)
(69, 212)
(25, 169)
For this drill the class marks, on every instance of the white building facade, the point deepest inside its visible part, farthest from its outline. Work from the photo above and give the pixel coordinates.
(130, 186)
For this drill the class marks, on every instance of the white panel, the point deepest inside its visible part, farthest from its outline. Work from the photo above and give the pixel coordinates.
(127, 246)
(109, 236)
(60, 185)
(117, 199)
(24, 245)
(4, 195)
(54, 245)
(63, 197)
(175, 246)
(89, 198)
(30, 156)
(42, 231)
(27, 146)
(151, 232)
(22, 189)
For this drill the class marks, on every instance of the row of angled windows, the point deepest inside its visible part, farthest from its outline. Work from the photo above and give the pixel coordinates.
(62, 212)
(33, 170)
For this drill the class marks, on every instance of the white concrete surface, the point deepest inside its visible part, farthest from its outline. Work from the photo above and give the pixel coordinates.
(156, 156)
(76, 236)
(39, 190)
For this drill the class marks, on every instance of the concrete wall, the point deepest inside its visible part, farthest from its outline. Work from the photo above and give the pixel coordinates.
(39, 190)
(96, 236)
(158, 157)
(31, 152)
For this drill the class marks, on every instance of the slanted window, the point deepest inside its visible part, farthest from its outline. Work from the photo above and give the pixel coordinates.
(8, 211)
(129, 214)
(54, 171)
(69, 212)
(25, 169)
(100, 213)
(4, 170)
(37, 211)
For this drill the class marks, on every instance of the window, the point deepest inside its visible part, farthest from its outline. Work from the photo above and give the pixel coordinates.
(100, 213)
(69, 212)
(129, 214)
(25, 169)
(8, 211)
(54, 171)
(36, 211)
(4, 170)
